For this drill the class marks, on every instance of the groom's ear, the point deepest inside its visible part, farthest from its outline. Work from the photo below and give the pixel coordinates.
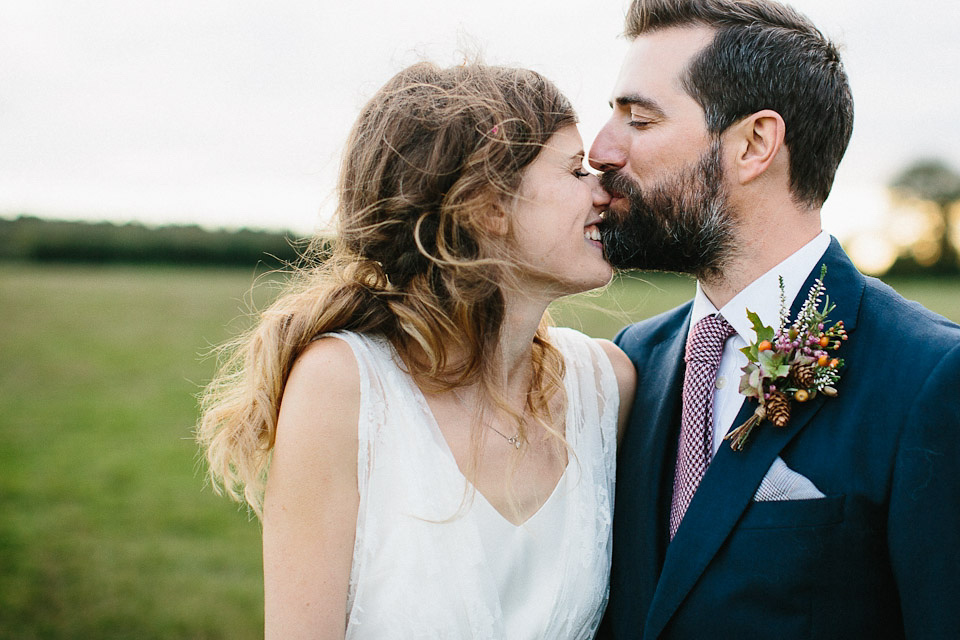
(757, 141)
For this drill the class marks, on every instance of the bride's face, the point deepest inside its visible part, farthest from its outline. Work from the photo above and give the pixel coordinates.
(555, 219)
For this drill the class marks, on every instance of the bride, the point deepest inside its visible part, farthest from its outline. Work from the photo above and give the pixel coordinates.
(441, 462)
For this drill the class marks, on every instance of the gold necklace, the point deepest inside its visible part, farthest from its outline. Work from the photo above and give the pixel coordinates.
(515, 440)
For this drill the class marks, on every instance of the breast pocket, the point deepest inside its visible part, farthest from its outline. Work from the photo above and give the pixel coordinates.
(792, 514)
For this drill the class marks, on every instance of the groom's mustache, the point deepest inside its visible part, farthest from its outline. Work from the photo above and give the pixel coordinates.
(619, 185)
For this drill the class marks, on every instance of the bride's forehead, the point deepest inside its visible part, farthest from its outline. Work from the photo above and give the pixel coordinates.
(563, 144)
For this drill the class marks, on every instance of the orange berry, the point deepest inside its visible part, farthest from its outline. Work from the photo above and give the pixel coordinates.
(824, 341)
(822, 361)
(766, 345)
(834, 363)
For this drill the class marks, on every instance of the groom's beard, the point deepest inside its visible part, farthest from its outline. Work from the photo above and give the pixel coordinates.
(683, 224)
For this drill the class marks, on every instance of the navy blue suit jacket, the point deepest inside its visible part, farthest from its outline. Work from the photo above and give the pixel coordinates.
(878, 557)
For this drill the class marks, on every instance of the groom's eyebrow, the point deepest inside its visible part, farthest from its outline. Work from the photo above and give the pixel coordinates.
(641, 101)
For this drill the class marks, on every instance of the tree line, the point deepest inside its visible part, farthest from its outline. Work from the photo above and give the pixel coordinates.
(29, 238)
(934, 184)
(927, 185)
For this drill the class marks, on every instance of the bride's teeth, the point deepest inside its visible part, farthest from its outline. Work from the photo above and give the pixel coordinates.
(592, 234)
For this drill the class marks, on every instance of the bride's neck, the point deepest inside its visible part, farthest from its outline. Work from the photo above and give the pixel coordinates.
(521, 319)
(511, 359)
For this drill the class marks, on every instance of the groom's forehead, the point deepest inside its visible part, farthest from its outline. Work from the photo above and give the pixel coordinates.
(656, 62)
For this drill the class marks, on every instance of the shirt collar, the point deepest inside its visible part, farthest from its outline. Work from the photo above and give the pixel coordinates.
(762, 296)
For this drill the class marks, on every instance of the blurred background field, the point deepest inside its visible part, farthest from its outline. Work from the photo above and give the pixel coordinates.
(219, 116)
(108, 529)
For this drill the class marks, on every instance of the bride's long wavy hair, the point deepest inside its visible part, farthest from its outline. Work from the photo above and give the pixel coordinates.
(433, 155)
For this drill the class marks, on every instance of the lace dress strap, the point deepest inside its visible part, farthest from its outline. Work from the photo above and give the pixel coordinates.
(591, 385)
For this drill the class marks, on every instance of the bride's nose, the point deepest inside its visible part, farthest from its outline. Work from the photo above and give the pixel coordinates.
(600, 196)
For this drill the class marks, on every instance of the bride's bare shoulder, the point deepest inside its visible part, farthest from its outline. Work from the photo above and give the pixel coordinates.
(626, 380)
(321, 397)
(622, 366)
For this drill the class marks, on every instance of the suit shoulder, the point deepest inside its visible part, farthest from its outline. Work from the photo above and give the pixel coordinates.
(890, 312)
(654, 330)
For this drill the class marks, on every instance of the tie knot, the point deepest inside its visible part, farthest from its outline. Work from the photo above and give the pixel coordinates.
(705, 343)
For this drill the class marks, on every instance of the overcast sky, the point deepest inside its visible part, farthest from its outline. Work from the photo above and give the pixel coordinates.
(233, 112)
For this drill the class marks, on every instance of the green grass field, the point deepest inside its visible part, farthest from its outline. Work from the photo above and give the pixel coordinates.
(108, 529)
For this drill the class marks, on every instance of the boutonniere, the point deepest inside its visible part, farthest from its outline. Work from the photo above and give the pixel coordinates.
(792, 363)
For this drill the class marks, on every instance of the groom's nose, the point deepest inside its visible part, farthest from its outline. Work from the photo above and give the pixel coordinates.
(607, 152)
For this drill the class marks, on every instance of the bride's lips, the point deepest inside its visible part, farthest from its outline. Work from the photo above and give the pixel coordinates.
(591, 233)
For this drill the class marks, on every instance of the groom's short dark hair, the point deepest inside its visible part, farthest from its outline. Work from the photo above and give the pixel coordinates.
(765, 55)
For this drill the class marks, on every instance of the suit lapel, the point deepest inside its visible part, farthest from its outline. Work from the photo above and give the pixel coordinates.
(724, 494)
(844, 285)
(646, 468)
(732, 479)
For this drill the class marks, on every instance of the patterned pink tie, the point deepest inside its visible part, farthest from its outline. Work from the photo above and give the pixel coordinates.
(704, 348)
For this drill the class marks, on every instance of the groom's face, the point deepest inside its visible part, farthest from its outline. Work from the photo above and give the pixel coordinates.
(660, 164)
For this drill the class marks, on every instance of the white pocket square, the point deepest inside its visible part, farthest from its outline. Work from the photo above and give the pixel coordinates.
(783, 483)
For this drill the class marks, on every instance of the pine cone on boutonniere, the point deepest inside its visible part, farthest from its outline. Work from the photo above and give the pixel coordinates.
(791, 363)
(803, 376)
(778, 409)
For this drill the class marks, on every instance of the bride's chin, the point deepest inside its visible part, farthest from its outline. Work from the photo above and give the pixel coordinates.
(603, 277)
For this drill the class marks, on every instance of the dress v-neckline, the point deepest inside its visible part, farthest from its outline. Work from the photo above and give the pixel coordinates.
(542, 509)
(447, 452)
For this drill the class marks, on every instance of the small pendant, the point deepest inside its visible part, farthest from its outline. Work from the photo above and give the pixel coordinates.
(514, 440)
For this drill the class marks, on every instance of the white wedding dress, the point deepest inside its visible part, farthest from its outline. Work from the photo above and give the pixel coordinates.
(427, 564)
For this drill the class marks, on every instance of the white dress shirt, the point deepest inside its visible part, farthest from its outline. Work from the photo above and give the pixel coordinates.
(762, 296)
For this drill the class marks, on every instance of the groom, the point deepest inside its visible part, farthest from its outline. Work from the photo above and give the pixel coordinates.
(729, 120)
